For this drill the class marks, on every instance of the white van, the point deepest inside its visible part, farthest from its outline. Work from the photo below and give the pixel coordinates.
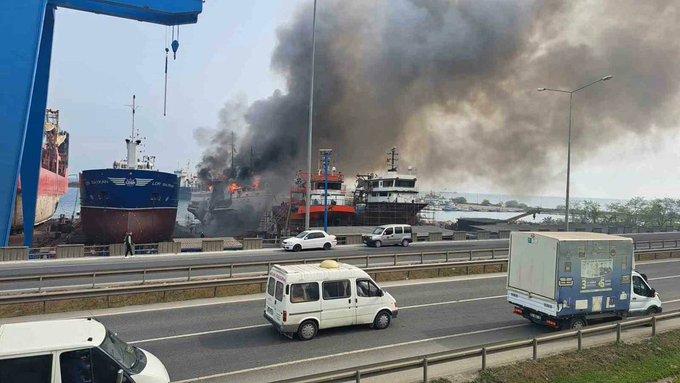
(73, 351)
(301, 299)
(387, 235)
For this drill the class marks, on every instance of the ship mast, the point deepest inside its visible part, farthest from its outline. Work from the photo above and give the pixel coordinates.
(392, 159)
(131, 143)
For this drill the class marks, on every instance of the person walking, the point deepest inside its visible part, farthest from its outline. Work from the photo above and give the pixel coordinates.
(128, 244)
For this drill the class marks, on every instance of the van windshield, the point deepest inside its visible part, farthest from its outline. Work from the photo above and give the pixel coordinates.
(378, 230)
(302, 235)
(130, 357)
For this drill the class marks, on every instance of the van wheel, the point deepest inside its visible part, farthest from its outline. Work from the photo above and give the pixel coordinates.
(382, 320)
(297, 248)
(405, 243)
(651, 311)
(326, 246)
(307, 330)
(577, 323)
(377, 244)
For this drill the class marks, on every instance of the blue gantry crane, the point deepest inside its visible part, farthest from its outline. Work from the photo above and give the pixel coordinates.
(27, 28)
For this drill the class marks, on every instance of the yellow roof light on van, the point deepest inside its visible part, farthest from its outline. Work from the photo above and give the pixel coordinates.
(329, 264)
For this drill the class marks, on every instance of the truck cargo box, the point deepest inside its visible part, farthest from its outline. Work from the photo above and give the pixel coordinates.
(567, 273)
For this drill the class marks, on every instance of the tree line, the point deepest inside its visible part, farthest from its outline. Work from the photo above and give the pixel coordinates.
(636, 212)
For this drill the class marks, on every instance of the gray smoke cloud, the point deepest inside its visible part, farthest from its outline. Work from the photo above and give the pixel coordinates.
(453, 85)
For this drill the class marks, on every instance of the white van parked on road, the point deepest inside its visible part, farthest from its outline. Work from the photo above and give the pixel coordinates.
(73, 351)
(301, 299)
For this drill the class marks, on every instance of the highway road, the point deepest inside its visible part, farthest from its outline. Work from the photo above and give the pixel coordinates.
(232, 342)
(99, 264)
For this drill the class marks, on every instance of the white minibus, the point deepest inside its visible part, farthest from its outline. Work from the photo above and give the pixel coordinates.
(302, 299)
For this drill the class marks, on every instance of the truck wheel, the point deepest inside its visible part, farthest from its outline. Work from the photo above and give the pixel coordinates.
(297, 248)
(577, 323)
(307, 330)
(651, 311)
(404, 243)
(382, 320)
(327, 246)
(377, 244)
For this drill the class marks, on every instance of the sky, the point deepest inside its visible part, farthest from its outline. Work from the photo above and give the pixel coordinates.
(99, 62)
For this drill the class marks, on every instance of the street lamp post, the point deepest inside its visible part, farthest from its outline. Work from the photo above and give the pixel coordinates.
(308, 197)
(571, 94)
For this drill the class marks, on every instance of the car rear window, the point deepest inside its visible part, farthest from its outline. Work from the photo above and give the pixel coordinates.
(398, 230)
(407, 229)
(304, 292)
(279, 291)
(336, 289)
(270, 286)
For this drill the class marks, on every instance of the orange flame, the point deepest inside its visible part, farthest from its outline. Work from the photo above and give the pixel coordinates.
(210, 187)
(233, 187)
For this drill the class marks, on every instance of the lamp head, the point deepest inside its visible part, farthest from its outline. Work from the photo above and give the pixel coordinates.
(607, 77)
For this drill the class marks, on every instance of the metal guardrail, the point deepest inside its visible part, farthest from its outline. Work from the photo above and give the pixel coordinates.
(231, 268)
(424, 361)
(43, 297)
(47, 252)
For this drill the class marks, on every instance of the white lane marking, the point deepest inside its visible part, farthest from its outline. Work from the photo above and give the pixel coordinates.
(198, 333)
(451, 302)
(652, 262)
(672, 301)
(666, 277)
(265, 325)
(353, 352)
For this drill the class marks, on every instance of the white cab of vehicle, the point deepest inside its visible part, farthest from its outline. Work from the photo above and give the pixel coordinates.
(388, 235)
(310, 239)
(73, 350)
(302, 299)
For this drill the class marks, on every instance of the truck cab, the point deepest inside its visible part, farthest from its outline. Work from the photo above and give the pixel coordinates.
(644, 300)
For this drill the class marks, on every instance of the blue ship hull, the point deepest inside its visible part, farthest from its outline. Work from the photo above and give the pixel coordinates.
(115, 201)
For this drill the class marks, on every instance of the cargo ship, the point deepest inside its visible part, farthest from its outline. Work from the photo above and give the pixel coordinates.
(387, 199)
(290, 215)
(53, 179)
(188, 182)
(132, 196)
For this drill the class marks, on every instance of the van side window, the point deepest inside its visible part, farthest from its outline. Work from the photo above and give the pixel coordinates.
(270, 286)
(336, 289)
(398, 230)
(366, 288)
(388, 231)
(407, 229)
(36, 369)
(304, 292)
(279, 291)
(76, 366)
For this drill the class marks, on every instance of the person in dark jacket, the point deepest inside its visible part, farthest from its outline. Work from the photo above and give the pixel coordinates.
(129, 249)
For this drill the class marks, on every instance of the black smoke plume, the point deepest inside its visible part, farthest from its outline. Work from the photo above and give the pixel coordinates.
(453, 85)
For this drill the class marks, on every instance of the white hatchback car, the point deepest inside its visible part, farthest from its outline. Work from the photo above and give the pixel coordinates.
(310, 239)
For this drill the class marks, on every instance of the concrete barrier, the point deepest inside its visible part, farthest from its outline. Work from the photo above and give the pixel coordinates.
(169, 247)
(434, 236)
(483, 235)
(117, 249)
(459, 236)
(13, 253)
(504, 234)
(353, 239)
(212, 245)
(251, 243)
(70, 251)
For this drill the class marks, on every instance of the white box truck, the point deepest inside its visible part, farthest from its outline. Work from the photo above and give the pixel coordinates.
(565, 279)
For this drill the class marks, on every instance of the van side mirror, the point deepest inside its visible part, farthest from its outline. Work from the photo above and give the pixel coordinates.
(119, 376)
(652, 293)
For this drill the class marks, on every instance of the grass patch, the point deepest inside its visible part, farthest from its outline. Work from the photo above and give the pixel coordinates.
(648, 361)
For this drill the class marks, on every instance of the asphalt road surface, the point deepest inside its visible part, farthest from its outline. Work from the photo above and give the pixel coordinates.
(232, 342)
(89, 265)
